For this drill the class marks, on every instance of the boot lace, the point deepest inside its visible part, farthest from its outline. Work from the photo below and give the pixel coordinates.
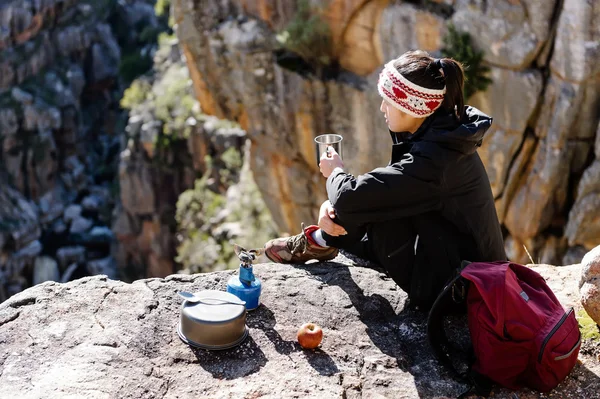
(297, 244)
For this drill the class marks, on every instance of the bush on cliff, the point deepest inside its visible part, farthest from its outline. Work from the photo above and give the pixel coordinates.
(309, 36)
(458, 45)
(209, 223)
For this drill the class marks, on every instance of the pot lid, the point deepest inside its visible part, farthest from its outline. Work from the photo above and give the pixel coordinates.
(213, 308)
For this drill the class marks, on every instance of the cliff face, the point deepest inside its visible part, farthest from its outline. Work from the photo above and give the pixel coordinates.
(541, 155)
(59, 136)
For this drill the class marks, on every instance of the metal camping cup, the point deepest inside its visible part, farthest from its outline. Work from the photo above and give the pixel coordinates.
(325, 140)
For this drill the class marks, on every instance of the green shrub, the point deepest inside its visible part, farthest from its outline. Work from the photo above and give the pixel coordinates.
(200, 249)
(195, 209)
(308, 35)
(174, 101)
(162, 7)
(589, 328)
(164, 38)
(136, 94)
(232, 159)
(458, 45)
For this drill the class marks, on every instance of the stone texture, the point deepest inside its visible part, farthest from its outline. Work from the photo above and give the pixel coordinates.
(577, 43)
(404, 27)
(511, 33)
(153, 175)
(74, 175)
(542, 192)
(137, 193)
(68, 255)
(583, 227)
(80, 225)
(511, 100)
(8, 122)
(45, 269)
(18, 261)
(568, 110)
(72, 212)
(515, 175)
(574, 255)
(360, 50)
(552, 250)
(105, 266)
(106, 54)
(515, 251)
(589, 284)
(68, 273)
(51, 205)
(597, 146)
(103, 338)
(563, 281)
(18, 218)
(352, 24)
(567, 116)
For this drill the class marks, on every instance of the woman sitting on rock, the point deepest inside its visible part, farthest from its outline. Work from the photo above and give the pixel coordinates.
(426, 211)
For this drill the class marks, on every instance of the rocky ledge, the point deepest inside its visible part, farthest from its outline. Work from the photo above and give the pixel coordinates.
(99, 338)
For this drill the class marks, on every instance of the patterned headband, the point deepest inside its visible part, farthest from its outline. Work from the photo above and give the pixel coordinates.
(406, 96)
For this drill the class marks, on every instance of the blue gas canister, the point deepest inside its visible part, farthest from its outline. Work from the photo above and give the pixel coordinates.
(245, 285)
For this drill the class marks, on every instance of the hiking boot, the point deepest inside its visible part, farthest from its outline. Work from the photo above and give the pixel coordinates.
(298, 248)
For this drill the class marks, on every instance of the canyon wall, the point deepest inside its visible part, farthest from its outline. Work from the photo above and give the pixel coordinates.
(59, 135)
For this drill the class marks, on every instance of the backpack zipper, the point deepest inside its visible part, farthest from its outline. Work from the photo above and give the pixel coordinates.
(556, 327)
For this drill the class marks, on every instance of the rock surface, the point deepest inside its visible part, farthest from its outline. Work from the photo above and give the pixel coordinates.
(103, 338)
(510, 32)
(589, 285)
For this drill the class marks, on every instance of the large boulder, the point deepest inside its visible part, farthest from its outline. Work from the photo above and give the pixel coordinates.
(583, 227)
(98, 338)
(565, 131)
(589, 285)
(511, 100)
(511, 33)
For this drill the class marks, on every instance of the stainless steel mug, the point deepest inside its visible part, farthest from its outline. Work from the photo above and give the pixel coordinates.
(325, 140)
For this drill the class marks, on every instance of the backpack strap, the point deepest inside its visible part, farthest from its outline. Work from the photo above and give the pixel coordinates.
(479, 385)
(453, 293)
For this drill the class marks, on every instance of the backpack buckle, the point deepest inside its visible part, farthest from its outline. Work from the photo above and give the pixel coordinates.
(458, 292)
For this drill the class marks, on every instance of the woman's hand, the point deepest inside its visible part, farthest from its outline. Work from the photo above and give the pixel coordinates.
(326, 223)
(330, 160)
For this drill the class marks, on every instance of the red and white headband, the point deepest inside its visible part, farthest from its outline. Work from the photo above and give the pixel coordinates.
(406, 96)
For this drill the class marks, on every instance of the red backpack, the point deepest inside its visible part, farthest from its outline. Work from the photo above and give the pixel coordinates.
(521, 335)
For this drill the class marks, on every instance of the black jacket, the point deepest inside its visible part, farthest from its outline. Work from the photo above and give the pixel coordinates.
(435, 187)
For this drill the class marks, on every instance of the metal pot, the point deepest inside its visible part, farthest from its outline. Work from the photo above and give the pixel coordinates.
(214, 323)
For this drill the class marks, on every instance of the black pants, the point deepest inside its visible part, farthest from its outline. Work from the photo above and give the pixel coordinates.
(389, 244)
(420, 272)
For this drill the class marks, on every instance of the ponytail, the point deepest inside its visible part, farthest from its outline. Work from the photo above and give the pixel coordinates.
(454, 76)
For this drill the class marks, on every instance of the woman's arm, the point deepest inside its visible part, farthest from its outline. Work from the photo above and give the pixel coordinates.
(409, 187)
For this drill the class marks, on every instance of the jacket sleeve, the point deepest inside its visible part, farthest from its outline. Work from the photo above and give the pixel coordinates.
(402, 189)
